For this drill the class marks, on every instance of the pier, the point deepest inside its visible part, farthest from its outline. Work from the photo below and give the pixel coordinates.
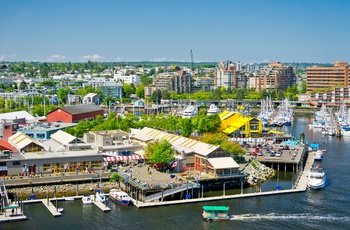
(101, 205)
(52, 209)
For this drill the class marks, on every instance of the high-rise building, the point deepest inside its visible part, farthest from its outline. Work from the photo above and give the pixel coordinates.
(319, 78)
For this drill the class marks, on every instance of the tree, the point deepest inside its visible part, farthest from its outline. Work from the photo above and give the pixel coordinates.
(216, 94)
(159, 152)
(44, 72)
(145, 80)
(240, 94)
(165, 95)
(157, 96)
(22, 85)
(128, 89)
(140, 91)
(303, 87)
(280, 95)
(62, 94)
(186, 127)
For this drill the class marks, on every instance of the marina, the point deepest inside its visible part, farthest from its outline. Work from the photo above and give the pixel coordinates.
(268, 192)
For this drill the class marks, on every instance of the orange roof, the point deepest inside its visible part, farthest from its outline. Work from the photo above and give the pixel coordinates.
(4, 145)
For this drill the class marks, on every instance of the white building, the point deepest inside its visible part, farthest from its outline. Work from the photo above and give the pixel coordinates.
(130, 79)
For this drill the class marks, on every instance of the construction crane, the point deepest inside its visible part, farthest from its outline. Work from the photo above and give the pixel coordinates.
(192, 64)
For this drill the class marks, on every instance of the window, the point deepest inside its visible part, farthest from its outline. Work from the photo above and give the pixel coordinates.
(16, 163)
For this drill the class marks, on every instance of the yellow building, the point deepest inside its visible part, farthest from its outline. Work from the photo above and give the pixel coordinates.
(238, 125)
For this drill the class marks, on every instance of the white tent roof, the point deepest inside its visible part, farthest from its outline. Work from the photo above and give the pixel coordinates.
(63, 137)
(223, 163)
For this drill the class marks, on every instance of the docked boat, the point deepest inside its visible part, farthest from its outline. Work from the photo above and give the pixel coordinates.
(69, 199)
(100, 197)
(216, 213)
(87, 200)
(318, 155)
(213, 109)
(317, 178)
(190, 112)
(60, 209)
(120, 197)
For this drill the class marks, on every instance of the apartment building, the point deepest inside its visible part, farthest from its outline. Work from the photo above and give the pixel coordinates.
(275, 76)
(319, 78)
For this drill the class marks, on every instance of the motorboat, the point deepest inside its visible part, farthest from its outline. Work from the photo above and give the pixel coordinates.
(213, 109)
(189, 112)
(60, 209)
(87, 199)
(216, 213)
(317, 178)
(318, 155)
(100, 197)
(69, 199)
(120, 197)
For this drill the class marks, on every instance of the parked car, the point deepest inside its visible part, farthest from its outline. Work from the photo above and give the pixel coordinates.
(272, 154)
(278, 154)
(260, 154)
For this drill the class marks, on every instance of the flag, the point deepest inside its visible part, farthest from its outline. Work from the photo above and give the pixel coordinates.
(174, 164)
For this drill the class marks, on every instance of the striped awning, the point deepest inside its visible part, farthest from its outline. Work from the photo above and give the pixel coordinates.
(123, 158)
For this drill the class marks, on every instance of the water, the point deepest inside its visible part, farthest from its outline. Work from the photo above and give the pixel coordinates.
(322, 209)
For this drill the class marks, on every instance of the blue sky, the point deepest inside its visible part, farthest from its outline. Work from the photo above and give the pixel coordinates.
(166, 30)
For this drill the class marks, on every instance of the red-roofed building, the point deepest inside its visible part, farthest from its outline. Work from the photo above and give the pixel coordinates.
(4, 145)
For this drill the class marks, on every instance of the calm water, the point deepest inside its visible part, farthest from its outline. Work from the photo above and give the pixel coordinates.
(328, 208)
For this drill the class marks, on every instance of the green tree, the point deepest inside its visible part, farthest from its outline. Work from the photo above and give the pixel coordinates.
(216, 94)
(140, 91)
(240, 94)
(62, 94)
(159, 152)
(165, 95)
(186, 127)
(22, 85)
(128, 89)
(303, 87)
(157, 96)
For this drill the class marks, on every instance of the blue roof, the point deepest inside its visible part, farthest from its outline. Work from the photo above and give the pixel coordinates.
(314, 145)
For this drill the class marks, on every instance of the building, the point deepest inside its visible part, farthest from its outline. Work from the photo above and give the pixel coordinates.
(91, 98)
(208, 160)
(225, 76)
(275, 76)
(75, 113)
(238, 125)
(129, 79)
(320, 78)
(332, 97)
(112, 89)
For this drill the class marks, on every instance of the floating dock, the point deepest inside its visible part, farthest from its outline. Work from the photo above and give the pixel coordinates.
(100, 205)
(52, 209)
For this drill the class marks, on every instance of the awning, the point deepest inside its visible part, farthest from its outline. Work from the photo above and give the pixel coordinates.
(123, 158)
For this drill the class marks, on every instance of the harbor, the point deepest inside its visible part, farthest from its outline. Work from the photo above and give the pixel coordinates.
(269, 200)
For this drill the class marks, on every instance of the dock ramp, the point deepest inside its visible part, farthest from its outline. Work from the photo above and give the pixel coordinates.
(171, 191)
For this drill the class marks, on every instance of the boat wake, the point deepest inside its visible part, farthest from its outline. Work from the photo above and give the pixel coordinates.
(305, 216)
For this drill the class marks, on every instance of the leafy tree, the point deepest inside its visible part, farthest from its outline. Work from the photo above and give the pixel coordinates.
(186, 127)
(140, 91)
(216, 94)
(280, 95)
(128, 89)
(44, 72)
(157, 96)
(303, 87)
(145, 80)
(159, 152)
(22, 85)
(62, 94)
(165, 94)
(114, 177)
(240, 94)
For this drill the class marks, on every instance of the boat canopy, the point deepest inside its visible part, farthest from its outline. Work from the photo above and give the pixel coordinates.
(215, 208)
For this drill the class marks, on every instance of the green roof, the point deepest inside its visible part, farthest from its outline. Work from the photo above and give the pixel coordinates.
(215, 208)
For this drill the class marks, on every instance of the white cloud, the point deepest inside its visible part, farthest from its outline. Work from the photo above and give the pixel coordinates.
(93, 57)
(57, 57)
(265, 61)
(13, 55)
(170, 59)
(2, 57)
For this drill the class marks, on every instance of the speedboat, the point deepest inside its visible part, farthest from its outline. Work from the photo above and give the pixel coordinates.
(100, 197)
(317, 178)
(60, 209)
(87, 200)
(318, 155)
(120, 197)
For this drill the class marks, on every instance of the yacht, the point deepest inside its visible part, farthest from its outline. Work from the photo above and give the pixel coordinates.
(189, 112)
(317, 178)
(318, 155)
(213, 109)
